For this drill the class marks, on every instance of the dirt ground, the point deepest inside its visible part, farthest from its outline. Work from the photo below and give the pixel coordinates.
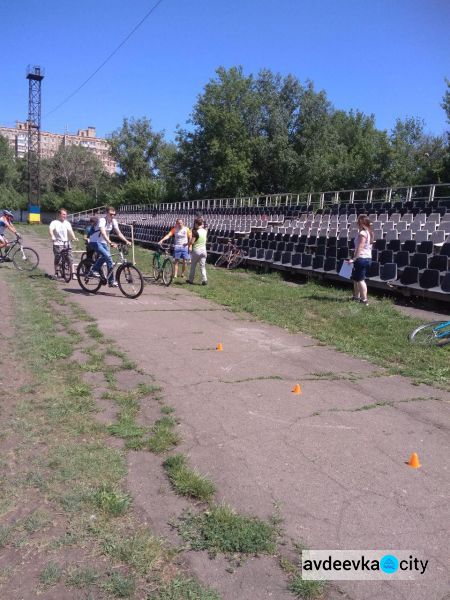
(330, 462)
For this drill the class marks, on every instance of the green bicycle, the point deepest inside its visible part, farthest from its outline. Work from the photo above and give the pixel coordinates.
(162, 265)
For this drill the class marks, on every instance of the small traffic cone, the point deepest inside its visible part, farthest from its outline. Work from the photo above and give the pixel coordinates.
(296, 389)
(414, 461)
(219, 347)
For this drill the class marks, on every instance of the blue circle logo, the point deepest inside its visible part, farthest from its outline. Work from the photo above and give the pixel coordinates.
(389, 563)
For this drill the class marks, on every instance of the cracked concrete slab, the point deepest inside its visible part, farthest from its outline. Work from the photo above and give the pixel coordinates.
(338, 478)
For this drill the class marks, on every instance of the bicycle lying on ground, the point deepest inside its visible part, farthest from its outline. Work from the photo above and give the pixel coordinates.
(23, 258)
(233, 256)
(128, 276)
(162, 265)
(436, 333)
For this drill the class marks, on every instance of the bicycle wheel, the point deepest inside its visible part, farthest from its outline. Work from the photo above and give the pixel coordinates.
(65, 269)
(167, 271)
(25, 259)
(156, 268)
(221, 260)
(87, 283)
(235, 259)
(436, 333)
(130, 280)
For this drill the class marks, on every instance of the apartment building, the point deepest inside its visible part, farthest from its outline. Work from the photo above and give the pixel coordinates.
(51, 142)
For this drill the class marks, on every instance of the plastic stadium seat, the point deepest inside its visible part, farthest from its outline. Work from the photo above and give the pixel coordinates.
(425, 247)
(429, 279)
(286, 258)
(410, 246)
(380, 244)
(409, 276)
(387, 256)
(268, 255)
(318, 262)
(419, 260)
(329, 263)
(260, 254)
(445, 284)
(296, 260)
(374, 269)
(445, 249)
(388, 272)
(252, 253)
(439, 262)
(306, 261)
(402, 259)
(394, 245)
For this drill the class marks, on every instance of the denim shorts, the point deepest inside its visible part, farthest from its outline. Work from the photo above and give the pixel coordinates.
(181, 253)
(360, 268)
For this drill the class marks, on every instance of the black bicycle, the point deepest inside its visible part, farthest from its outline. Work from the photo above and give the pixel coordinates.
(128, 276)
(64, 266)
(23, 258)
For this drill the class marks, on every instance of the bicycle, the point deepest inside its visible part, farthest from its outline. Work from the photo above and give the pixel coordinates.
(163, 265)
(233, 256)
(436, 333)
(64, 267)
(22, 257)
(129, 278)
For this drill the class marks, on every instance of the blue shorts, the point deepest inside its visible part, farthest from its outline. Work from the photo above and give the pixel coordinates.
(360, 268)
(181, 253)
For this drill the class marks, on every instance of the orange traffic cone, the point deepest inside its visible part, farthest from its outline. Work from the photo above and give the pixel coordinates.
(296, 389)
(414, 461)
(219, 347)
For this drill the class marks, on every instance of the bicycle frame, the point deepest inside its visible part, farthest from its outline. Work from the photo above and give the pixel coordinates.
(5, 252)
(118, 259)
(441, 326)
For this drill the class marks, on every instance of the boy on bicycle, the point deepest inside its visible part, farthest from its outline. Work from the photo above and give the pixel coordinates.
(100, 240)
(6, 219)
(181, 235)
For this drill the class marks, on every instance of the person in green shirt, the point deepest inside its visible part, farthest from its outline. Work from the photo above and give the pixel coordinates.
(198, 241)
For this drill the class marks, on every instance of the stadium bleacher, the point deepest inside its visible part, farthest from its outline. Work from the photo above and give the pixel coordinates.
(412, 236)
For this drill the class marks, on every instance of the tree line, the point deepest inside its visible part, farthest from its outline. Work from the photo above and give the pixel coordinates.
(246, 135)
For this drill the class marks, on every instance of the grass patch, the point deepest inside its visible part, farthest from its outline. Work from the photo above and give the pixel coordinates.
(221, 529)
(5, 533)
(94, 332)
(186, 481)
(185, 589)
(51, 574)
(38, 519)
(120, 586)
(306, 589)
(88, 462)
(163, 438)
(142, 550)
(110, 500)
(81, 577)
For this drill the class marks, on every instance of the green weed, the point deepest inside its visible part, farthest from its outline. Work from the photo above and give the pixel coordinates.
(142, 550)
(186, 481)
(185, 589)
(120, 586)
(221, 529)
(163, 438)
(111, 501)
(51, 574)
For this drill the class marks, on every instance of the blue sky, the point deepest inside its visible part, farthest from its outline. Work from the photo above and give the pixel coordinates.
(386, 57)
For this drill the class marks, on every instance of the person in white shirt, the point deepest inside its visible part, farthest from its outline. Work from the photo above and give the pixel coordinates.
(181, 235)
(100, 239)
(362, 259)
(61, 234)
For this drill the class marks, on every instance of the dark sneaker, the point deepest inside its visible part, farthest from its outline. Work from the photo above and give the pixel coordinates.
(204, 283)
(190, 282)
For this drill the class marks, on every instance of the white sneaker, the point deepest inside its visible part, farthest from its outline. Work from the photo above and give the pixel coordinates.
(113, 284)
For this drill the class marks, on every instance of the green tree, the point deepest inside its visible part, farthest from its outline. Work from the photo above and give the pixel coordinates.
(215, 157)
(137, 148)
(75, 167)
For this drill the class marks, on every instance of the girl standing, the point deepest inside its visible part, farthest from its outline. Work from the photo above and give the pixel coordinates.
(362, 258)
(198, 240)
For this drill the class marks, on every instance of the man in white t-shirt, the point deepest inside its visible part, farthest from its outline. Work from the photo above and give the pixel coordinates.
(100, 239)
(61, 234)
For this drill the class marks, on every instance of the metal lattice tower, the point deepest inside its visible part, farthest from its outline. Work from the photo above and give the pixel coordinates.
(35, 76)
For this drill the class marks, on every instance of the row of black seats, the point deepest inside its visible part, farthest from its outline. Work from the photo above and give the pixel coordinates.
(420, 260)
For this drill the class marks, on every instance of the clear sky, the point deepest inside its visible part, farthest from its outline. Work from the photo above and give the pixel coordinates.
(386, 57)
